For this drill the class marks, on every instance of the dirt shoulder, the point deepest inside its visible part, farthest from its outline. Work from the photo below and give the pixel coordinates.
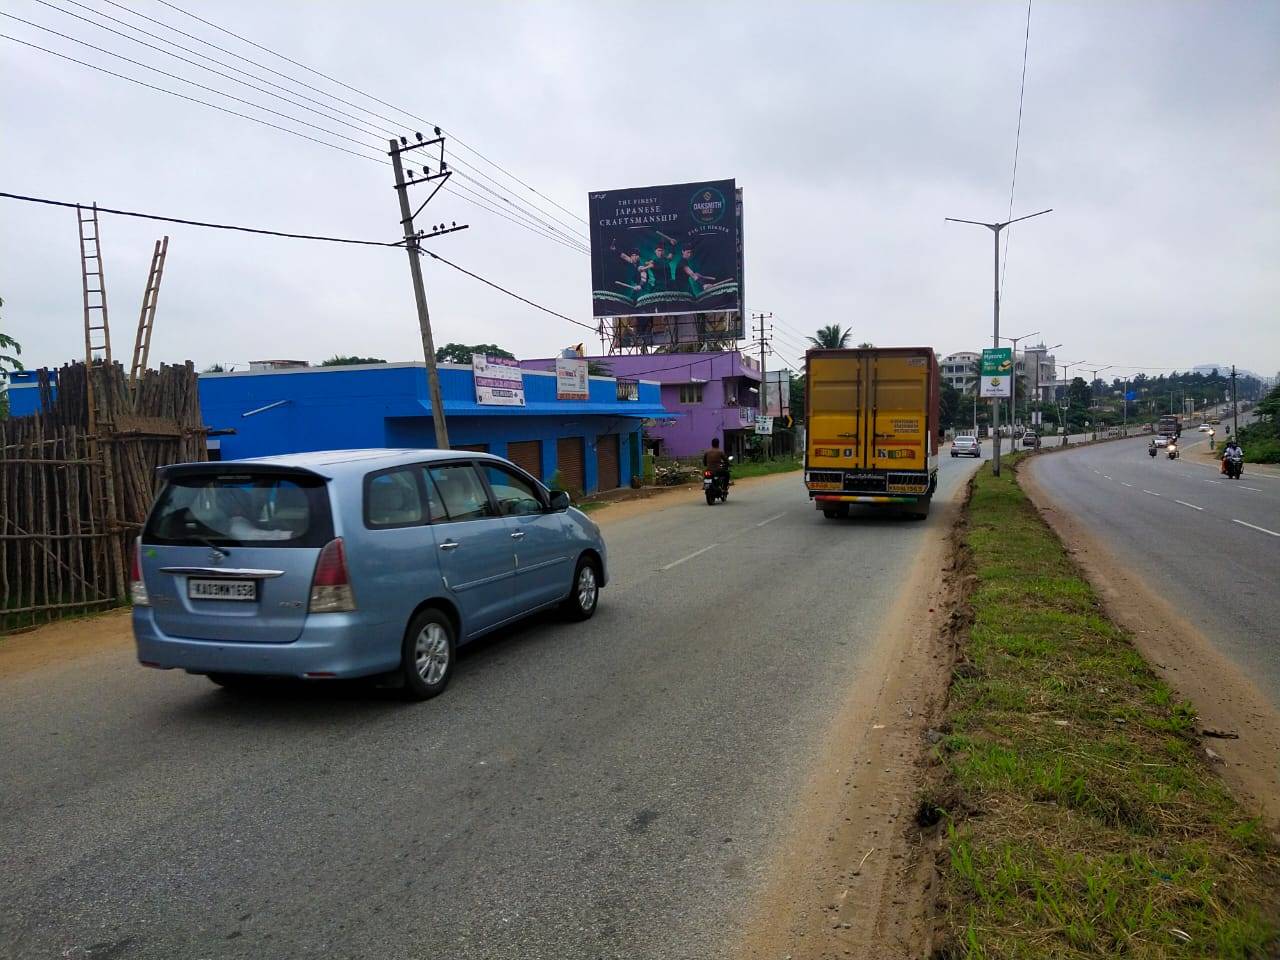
(851, 880)
(1226, 700)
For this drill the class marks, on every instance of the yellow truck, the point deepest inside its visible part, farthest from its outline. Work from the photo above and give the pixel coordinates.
(872, 428)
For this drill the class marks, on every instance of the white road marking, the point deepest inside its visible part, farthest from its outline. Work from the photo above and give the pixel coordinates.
(1252, 527)
(1098, 472)
(1105, 477)
(1213, 481)
(1153, 493)
(1254, 489)
(1126, 484)
(696, 553)
(770, 520)
(1191, 505)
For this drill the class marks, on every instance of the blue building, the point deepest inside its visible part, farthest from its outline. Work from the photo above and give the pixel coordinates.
(593, 444)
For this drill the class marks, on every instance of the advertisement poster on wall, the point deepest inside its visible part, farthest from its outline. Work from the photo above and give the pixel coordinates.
(665, 250)
(498, 381)
(997, 372)
(571, 379)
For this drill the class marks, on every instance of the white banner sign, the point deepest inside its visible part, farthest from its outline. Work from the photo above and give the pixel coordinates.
(498, 381)
(764, 426)
(572, 382)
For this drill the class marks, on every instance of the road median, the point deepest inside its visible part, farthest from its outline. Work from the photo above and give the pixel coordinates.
(1078, 812)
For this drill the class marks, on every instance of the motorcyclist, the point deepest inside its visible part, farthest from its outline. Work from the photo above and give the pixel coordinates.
(713, 459)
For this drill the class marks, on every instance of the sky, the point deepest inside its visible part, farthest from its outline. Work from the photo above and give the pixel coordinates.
(854, 129)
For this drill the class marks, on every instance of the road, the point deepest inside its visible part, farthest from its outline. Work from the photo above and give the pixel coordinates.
(1209, 545)
(609, 789)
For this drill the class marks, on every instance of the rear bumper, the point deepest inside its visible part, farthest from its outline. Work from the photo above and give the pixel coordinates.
(331, 644)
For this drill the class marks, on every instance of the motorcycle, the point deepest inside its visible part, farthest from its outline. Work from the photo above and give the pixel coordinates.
(1152, 450)
(1172, 451)
(716, 483)
(1234, 466)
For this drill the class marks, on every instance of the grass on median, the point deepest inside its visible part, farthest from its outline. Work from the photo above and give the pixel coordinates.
(1081, 816)
(764, 468)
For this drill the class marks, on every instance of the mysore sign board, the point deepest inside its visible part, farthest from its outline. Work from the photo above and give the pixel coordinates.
(572, 382)
(498, 380)
(997, 372)
(764, 426)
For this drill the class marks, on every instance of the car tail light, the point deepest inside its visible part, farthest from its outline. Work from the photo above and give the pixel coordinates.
(331, 586)
(138, 586)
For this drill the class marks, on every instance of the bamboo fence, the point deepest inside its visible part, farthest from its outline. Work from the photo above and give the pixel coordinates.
(75, 488)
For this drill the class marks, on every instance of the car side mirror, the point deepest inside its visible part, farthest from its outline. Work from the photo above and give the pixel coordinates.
(559, 501)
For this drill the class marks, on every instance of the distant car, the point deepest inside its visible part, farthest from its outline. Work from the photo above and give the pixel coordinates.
(1161, 440)
(1215, 421)
(1204, 428)
(966, 446)
(1031, 441)
(352, 563)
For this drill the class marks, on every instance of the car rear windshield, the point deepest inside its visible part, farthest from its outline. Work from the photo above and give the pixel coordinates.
(242, 509)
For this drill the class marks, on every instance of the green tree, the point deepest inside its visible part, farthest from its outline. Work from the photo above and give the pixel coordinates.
(831, 337)
(218, 368)
(461, 352)
(950, 412)
(797, 397)
(340, 361)
(9, 361)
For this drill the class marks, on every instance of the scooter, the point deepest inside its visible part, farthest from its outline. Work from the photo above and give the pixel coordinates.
(1172, 451)
(1234, 467)
(716, 484)
(1152, 450)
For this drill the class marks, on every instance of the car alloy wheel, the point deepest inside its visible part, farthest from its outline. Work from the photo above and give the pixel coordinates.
(588, 590)
(431, 653)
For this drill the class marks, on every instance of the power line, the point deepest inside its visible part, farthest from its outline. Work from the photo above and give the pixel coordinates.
(1017, 143)
(183, 96)
(509, 293)
(359, 125)
(362, 93)
(202, 223)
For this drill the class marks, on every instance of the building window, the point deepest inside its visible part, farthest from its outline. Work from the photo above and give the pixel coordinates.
(690, 393)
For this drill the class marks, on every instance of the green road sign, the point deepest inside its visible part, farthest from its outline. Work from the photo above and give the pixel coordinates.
(997, 372)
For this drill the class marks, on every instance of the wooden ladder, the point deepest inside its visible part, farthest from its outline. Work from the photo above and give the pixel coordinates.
(147, 318)
(97, 329)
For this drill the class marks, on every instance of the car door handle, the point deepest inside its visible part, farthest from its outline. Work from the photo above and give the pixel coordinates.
(449, 545)
(518, 535)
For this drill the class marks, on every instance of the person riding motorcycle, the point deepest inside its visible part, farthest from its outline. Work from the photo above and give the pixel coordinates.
(713, 458)
(1232, 459)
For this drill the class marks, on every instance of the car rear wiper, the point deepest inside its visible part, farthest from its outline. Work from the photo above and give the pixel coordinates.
(221, 551)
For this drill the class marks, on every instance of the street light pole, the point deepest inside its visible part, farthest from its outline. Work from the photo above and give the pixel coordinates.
(995, 229)
(1013, 401)
(1095, 372)
(1066, 405)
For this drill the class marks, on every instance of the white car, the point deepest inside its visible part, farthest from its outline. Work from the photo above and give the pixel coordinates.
(1161, 440)
(966, 446)
(1204, 428)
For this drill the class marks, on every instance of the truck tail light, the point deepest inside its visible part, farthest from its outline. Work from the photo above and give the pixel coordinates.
(137, 586)
(331, 585)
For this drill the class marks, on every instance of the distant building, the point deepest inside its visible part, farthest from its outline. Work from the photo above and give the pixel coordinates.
(960, 370)
(707, 395)
(1039, 371)
(278, 364)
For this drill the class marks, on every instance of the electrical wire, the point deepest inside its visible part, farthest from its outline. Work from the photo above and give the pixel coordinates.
(367, 96)
(358, 125)
(1017, 144)
(204, 223)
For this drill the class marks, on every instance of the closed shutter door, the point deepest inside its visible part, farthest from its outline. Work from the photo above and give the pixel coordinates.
(607, 462)
(571, 464)
(527, 455)
(472, 447)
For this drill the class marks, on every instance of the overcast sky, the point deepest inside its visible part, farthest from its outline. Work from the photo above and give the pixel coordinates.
(1152, 129)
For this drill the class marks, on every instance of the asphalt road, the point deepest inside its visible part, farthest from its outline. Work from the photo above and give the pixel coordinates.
(1209, 545)
(608, 789)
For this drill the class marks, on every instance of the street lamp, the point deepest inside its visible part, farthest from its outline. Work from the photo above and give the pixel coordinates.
(1066, 404)
(1013, 411)
(995, 229)
(1095, 372)
(1041, 353)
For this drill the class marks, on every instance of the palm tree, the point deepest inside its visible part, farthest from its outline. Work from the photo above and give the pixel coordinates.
(8, 343)
(831, 337)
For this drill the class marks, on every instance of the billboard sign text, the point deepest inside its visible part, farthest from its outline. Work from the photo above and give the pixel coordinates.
(498, 381)
(997, 372)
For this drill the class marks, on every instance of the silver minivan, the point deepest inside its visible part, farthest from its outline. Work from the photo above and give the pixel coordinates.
(352, 563)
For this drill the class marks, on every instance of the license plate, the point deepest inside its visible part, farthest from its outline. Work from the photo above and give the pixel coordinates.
(222, 589)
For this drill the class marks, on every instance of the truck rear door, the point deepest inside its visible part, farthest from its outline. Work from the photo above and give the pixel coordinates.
(836, 404)
(898, 401)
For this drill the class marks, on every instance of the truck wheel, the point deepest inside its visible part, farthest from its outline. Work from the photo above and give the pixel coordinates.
(920, 509)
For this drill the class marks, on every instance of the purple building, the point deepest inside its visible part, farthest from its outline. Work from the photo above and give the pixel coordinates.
(708, 395)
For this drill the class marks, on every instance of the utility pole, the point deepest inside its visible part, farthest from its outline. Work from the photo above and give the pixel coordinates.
(1235, 410)
(411, 245)
(1093, 395)
(995, 229)
(762, 341)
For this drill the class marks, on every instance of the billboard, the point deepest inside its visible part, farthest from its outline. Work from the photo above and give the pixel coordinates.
(665, 250)
(571, 379)
(498, 381)
(997, 372)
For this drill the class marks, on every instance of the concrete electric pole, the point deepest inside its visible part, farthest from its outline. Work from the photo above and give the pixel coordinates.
(762, 341)
(412, 247)
(995, 229)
